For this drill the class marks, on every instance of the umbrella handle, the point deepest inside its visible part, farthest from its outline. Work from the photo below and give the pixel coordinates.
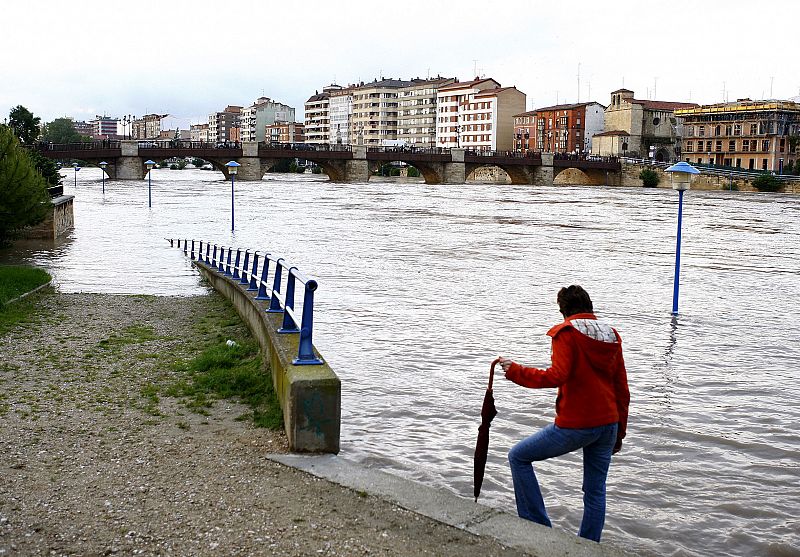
(491, 373)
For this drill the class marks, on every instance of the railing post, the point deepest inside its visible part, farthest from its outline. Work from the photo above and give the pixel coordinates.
(214, 257)
(208, 248)
(275, 303)
(192, 251)
(236, 264)
(171, 243)
(244, 267)
(253, 285)
(185, 243)
(228, 263)
(222, 259)
(289, 325)
(305, 352)
(262, 288)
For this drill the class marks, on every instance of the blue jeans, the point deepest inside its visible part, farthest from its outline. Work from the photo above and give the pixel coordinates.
(597, 443)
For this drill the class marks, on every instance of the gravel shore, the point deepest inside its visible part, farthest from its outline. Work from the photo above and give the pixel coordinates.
(95, 460)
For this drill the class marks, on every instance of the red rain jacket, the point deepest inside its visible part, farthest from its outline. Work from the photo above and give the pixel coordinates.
(590, 376)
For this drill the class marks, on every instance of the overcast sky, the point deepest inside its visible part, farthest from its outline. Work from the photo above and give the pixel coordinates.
(190, 58)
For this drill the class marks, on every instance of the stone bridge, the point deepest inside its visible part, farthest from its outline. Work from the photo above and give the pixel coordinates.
(342, 163)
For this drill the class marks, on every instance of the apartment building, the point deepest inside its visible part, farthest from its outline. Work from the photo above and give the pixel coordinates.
(477, 115)
(416, 119)
(317, 119)
(222, 124)
(199, 132)
(564, 128)
(254, 119)
(147, 127)
(104, 127)
(340, 109)
(757, 135)
(640, 128)
(285, 132)
(376, 109)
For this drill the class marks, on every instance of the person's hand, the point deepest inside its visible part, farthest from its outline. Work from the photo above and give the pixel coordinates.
(617, 447)
(505, 363)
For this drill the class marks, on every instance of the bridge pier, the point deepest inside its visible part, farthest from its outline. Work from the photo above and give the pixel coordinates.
(129, 166)
(455, 172)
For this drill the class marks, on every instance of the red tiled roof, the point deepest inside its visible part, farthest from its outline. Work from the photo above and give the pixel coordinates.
(466, 84)
(662, 105)
(490, 92)
(529, 113)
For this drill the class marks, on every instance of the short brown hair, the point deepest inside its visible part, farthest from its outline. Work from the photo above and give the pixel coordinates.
(574, 299)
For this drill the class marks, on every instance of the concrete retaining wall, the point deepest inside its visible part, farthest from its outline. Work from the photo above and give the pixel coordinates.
(310, 395)
(56, 224)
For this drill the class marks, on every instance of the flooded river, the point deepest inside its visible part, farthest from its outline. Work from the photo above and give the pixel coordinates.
(422, 286)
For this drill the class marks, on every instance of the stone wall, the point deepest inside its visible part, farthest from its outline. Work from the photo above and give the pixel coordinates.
(710, 182)
(55, 224)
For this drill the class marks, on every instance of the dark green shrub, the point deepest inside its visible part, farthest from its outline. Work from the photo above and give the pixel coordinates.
(413, 172)
(649, 178)
(394, 172)
(767, 182)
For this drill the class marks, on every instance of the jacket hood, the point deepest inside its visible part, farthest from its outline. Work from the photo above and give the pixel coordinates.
(600, 354)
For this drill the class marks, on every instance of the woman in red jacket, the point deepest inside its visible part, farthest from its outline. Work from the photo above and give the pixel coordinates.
(591, 409)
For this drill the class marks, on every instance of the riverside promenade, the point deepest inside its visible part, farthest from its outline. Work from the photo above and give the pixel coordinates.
(100, 460)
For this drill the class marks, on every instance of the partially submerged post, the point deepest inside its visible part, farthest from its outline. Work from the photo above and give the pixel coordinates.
(681, 175)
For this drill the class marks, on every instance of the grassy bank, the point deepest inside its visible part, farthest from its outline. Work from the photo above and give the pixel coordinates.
(14, 282)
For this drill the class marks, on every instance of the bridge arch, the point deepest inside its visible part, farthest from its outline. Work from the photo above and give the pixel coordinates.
(518, 174)
(579, 176)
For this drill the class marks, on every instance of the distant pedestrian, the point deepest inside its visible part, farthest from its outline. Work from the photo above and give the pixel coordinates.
(591, 409)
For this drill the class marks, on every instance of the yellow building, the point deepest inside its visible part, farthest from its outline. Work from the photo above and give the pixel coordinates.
(756, 135)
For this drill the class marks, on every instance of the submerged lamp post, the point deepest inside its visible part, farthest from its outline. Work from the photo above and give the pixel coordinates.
(233, 168)
(681, 175)
(76, 168)
(103, 166)
(149, 164)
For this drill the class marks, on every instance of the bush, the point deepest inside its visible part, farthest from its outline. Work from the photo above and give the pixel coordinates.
(394, 172)
(316, 170)
(767, 182)
(413, 172)
(649, 178)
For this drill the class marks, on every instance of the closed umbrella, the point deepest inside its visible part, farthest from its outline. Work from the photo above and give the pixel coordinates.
(488, 412)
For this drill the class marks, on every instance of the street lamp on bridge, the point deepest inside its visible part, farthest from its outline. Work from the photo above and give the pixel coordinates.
(233, 168)
(149, 164)
(103, 166)
(77, 167)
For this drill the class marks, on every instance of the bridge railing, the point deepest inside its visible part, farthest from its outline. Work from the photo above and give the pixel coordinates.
(82, 146)
(719, 170)
(241, 268)
(505, 154)
(408, 149)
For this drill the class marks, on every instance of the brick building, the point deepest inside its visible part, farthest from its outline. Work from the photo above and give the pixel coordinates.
(564, 128)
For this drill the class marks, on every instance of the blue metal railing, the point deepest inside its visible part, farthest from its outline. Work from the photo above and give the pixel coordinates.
(253, 278)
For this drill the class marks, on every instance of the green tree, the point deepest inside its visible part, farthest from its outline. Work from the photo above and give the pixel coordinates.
(767, 182)
(23, 191)
(24, 124)
(61, 130)
(649, 178)
(46, 167)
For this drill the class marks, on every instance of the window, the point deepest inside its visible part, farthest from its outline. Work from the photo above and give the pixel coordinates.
(765, 145)
(732, 145)
(728, 129)
(753, 129)
(737, 129)
(763, 164)
(783, 144)
(701, 131)
(708, 146)
(717, 130)
(689, 146)
(745, 145)
(689, 131)
(718, 146)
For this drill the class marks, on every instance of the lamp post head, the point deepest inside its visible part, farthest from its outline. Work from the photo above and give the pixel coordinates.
(233, 167)
(681, 174)
(149, 164)
(103, 165)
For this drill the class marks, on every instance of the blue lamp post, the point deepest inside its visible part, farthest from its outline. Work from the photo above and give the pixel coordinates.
(681, 175)
(76, 167)
(149, 164)
(233, 168)
(103, 166)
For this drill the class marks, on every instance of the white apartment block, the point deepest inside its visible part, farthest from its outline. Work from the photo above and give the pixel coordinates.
(264, 112)
(477, 115)
(340, 109)
(220, 124)
(199, 132)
